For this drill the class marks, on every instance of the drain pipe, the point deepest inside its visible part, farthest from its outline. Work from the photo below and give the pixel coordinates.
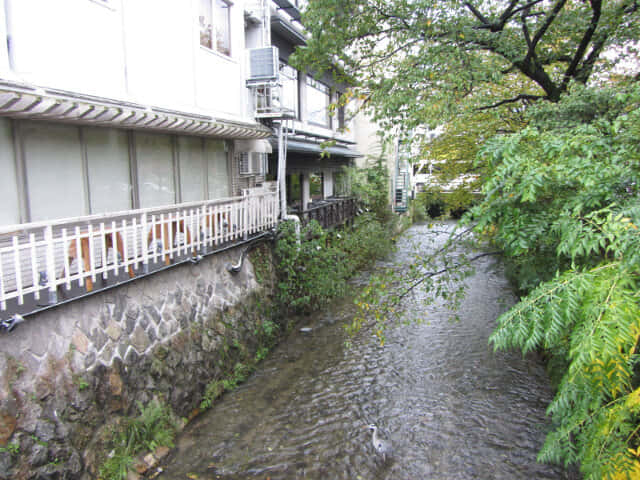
(282, 179)
(282, 167)
(235, 268)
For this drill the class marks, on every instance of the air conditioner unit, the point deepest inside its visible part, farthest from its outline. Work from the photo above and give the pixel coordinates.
(263, 64)
(252, 163)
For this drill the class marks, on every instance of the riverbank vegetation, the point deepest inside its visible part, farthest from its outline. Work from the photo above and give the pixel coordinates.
(546, 96)
(155, 426)
(565, 211)
(314, 265)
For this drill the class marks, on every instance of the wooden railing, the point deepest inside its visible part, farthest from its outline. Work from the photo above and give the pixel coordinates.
(44, 263)
(329, 213)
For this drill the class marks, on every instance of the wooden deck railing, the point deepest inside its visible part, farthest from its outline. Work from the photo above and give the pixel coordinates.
(44, 263)
(329, 213)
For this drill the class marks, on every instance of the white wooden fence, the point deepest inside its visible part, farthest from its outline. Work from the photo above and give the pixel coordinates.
(40, 260)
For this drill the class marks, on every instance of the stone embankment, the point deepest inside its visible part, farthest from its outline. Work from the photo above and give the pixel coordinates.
(68, 374)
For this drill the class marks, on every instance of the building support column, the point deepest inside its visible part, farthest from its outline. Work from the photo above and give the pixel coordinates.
(306, 190)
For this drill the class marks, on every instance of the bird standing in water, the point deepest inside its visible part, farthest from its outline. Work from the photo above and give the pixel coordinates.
(381, 445)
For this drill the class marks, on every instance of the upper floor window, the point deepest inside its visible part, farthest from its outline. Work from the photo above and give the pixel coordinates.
(289, 78)
(318, 100)
(214, 17)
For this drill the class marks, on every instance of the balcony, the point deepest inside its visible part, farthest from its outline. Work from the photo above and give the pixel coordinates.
(46, 263)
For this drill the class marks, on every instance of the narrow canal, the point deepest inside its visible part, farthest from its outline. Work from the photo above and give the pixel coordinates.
(451, 407)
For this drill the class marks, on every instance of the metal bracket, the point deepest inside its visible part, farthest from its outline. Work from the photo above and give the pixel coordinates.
(11, 323)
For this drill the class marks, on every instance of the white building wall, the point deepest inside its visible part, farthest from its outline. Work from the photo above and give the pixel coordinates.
(159, 43)
(68, 44)
(143, 51)
(368, 141)
(4, 51)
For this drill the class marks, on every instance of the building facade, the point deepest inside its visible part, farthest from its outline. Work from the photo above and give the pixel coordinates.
(129, 140)
(319, 141)
(138, 134)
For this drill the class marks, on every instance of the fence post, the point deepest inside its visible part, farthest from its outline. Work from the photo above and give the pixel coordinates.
(144, 247)
(245, 219)
(51, 265)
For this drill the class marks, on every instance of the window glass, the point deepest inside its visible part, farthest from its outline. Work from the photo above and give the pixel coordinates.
(155, 170)
(317, 102)
(340, 184)
(289, 78)
(294, 190)
(192, 179)
(217, 169)
(108, 166)
(315, 186)
(55, 178)
(214, 20)
(9, 213)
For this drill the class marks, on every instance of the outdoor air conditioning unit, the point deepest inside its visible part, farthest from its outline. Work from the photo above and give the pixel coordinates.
(263, 64)
(253, 163)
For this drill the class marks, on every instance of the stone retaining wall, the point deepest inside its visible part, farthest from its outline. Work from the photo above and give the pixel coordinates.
(66, 373)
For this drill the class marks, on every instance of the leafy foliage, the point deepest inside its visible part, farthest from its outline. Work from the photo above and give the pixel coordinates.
(563, 204)
(155, 426)
(313, 267)
(445, 57)
(370, 186)
(313, 271)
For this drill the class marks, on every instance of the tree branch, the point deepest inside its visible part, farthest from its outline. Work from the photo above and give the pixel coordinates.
(543, 29)
(596, 8)
(522, 96)
(429, 275)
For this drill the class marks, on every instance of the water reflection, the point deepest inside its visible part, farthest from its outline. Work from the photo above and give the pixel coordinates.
(453, 408)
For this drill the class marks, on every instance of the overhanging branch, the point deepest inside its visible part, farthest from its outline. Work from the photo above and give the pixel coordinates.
(522, 96)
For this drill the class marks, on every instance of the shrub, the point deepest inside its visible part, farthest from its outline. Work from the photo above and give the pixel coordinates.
(315, 269)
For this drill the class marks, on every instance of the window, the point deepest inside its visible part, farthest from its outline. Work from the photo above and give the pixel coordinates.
(55, 179)
(315, 186)
(214, 18)
(289, 78)
(294, 190)
(217, 169)
(10, 211)
(155, 170)
(341, 183)
(341, 124)
(318, 99)
(192, 178)
(108, 167)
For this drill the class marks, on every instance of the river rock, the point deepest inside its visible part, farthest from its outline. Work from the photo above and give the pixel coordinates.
(7, 427)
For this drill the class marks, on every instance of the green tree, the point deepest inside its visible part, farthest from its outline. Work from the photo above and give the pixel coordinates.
(441, 57)
(466, 64)
(563, 204)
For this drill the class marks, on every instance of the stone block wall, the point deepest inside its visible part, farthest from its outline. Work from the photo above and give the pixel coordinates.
(66, 373)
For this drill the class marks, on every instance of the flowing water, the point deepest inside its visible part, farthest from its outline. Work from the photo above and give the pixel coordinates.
(452, 408)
